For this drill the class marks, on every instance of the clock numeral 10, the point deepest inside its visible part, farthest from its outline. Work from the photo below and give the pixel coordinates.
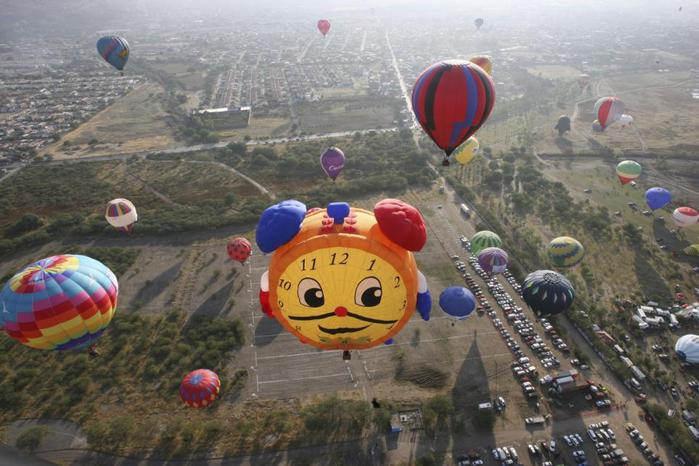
(312, 263)
(284, 284)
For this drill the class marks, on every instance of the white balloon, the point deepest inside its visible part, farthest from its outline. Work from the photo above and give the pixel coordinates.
(687, 348)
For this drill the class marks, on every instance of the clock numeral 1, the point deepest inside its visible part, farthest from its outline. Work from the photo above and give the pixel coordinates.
(284, 284)
(371, 267)
(312, 263)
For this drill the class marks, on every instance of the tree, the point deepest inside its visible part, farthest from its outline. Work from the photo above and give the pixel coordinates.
(31, 438)
(229, 199)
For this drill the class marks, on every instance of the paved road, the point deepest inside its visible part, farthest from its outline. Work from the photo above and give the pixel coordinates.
(12, 457)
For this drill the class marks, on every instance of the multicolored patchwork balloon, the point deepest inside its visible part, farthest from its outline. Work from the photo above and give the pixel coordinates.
(493, 260)
(200, 388)
(547, 292)
(484, 62)
(59, 303)
(565, 251)
(484, 239)
(451, 100)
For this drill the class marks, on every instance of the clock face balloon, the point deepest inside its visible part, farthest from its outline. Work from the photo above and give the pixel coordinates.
(346, 279)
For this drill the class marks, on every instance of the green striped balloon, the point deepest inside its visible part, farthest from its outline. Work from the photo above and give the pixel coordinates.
(484, 239)
(565, 251)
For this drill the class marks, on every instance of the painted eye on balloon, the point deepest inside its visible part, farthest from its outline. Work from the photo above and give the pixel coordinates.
(368, 293)
(310, 293)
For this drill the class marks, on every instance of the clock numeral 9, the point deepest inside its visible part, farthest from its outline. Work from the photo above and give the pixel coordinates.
(281, 304)
(343, 260)
(284, 284)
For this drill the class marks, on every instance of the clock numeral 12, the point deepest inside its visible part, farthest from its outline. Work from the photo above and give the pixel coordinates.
(343, 261)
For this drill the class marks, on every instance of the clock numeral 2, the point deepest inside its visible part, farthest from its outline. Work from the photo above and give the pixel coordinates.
(312, 263)
(284, 284)
(343, 261)
(396, 279)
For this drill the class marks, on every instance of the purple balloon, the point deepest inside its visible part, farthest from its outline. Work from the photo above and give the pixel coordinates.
(333, 161)
(493, 260)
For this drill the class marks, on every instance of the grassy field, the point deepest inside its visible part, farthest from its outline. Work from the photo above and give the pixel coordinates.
(555, 71)
(259, 128)
(190, 75)
(344, 115)
(133, 123)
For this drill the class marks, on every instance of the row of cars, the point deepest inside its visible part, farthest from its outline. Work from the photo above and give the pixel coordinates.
(637, 438)
(506, 455)
(515, 316)
(604, 439)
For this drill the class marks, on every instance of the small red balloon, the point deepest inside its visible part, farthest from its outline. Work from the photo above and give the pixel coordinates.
(239, 249)
(323, 26)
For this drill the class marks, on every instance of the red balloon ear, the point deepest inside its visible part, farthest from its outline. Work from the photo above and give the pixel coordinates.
(401, 223)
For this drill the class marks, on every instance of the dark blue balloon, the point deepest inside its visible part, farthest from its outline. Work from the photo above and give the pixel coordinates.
(279, 224)
(114, 50)
(657, 198)
(457, 301)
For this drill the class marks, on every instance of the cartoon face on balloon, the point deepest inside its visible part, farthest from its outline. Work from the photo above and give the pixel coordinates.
(342, 277)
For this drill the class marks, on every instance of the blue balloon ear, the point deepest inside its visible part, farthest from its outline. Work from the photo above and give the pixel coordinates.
(279, 224)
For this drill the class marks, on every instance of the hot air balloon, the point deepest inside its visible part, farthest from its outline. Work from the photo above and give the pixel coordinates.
(685, 217)
(343, 277)
(114, 50)
(627, 171)
(484, 62)
(467, 151)
(451, 100)
(565, 251)
(493, 260)
(547, 292)
(478, 22)
(332, 160)
(692, 250)
(324, 26)
(457, 302)
(687, 348)
(121, 214)
(625, 120)
(608, 110)
(657, 198)
(563, 124)
(596, 127)
(239, 249)
(200, 388)
(59, 303)
(484, 239)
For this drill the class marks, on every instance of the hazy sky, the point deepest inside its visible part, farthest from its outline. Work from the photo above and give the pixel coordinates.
(47, 16)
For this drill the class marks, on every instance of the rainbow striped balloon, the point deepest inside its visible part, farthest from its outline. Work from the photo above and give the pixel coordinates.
(200, 388)
(59, 303)
(565, 251)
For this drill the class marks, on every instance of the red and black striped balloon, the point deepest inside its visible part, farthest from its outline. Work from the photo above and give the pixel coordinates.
(451, 100)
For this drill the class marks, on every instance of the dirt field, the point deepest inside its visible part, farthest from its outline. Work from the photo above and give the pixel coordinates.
(339, 115)
(554, 71)
(133, 123)
(260, 127)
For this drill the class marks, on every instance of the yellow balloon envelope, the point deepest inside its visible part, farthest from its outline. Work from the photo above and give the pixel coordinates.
(484, 62)
(467, 151)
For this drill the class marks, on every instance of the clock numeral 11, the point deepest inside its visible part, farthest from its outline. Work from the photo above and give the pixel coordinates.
(312, 263)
